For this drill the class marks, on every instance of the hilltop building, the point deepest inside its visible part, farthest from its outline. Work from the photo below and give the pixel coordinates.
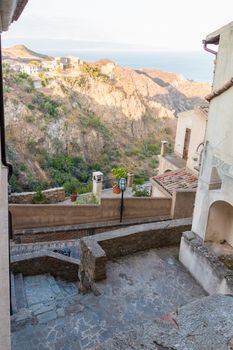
(31, 68)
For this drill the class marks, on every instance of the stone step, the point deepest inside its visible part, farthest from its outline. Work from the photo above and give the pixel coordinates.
(67, 288)
(42, 289)
(20, 296)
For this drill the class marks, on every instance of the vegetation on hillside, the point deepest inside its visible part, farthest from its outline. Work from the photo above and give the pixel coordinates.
(59, 134)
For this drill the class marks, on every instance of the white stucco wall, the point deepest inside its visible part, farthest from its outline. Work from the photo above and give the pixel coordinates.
(4, 264)
(219, 138)
(195, 121)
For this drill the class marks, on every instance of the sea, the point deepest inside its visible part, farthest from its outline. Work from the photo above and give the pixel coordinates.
(197, 66)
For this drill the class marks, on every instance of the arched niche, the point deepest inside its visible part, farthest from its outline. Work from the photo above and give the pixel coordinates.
(220, 223)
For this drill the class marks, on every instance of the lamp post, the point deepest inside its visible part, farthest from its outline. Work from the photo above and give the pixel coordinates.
(122, 184)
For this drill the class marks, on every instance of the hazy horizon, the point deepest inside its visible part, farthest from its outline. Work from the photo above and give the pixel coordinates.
(152, 26)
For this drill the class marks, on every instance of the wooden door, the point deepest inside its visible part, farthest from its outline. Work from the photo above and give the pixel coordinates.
(186, 143)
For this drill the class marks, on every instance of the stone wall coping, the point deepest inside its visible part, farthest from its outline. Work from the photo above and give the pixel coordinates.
(94, 247)
(65, 228)
(43, 253)
(16, 246)
(131, 199)
(18, 194)
(123, 232)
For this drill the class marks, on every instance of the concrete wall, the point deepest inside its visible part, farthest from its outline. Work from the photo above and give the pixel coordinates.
(31, 216)
(52, 195)
(183, 203)
(4, 263)
(207, 269)
(195, 121)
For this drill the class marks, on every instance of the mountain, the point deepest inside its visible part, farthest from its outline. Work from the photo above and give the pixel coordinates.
(91, 117)
(21, 52)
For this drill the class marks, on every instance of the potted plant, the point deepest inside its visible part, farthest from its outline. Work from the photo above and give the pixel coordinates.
(117, 174)
(70, 188)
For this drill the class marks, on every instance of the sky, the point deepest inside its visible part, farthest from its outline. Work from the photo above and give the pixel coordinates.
(165, 25)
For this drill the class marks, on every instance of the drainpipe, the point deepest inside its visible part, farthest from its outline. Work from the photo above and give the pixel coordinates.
(205, 43)
(3, 157)
(2, 122)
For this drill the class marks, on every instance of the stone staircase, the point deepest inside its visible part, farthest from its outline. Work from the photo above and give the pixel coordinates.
(36, 295)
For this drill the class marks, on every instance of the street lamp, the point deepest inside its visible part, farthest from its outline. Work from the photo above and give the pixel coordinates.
(122, 184)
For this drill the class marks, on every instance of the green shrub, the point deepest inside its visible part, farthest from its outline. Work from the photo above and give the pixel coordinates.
(22, 167)
(91, 121)
(118, 173)
(23, 75)
(154, 163)
(46, 105)
(39, 197)
(86, 188)
(140, 178)
(44, 79)
(71, 186)
(93, 71)
(14, 184)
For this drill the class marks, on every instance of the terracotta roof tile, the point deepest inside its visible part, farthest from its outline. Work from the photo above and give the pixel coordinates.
(177, 180)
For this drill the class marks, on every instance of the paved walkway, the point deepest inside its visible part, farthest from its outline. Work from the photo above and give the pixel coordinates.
(138, 289)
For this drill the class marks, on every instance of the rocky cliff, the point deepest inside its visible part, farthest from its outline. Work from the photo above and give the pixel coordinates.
(99, 113)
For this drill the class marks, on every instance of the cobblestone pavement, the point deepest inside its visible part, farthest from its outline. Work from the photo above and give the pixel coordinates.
(139, 289)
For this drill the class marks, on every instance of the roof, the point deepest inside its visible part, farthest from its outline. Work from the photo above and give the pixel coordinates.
(213, 38)
(181, 179)
(10, 10)
(202, 110)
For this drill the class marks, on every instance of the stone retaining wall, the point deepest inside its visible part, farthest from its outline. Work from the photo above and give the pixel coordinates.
(69, 232)
(43, 215)
(97, 249)
(53, 195)
(43, 262)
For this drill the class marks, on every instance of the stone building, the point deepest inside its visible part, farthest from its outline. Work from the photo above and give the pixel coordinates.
(213, 213)
(190, 134)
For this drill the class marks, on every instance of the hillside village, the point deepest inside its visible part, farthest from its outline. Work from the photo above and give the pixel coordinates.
(151, 271)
